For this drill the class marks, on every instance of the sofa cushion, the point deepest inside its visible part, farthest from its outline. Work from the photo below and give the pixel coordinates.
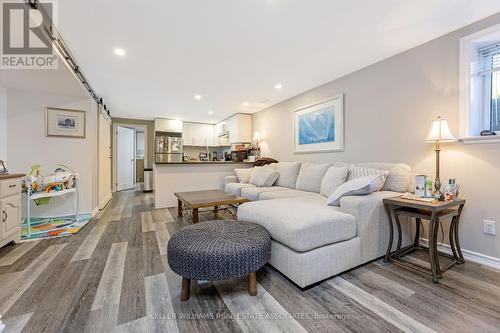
(398, 179)
(289, 171)
(357, 186)
(334, 177)
(263, 176)
(310, 176)
(243, 175)
(303, 223)
(253, 193)
(286, 193)
(235, 188)
(357, 171)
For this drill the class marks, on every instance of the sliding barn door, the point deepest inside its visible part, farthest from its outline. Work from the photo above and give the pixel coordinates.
(104, 158)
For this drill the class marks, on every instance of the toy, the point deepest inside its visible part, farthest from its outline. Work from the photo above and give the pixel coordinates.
(63, 178)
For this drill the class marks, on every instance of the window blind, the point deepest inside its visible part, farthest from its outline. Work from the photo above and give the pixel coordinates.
(488, 60)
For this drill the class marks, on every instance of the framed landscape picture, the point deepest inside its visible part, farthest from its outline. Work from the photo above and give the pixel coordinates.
(65, 123)
(320, 127)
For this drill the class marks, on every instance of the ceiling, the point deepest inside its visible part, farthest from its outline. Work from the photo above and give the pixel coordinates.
(235, 51)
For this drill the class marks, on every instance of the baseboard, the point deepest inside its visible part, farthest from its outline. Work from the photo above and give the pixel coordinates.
(94, 211)
(106, 200)
(479, 258)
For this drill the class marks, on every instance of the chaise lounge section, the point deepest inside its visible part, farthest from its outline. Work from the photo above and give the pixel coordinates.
(311, 240)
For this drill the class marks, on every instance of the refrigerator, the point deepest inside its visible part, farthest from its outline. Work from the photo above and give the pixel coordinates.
(168, 148)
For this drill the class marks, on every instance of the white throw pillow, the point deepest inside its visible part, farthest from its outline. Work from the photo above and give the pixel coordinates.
(334, 177)
(289, 171)
(356, 171)
(263, 176)
(243, 175)
(357, 186)
(310, 177)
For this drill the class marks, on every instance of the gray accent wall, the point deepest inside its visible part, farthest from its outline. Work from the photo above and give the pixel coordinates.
(388, 108)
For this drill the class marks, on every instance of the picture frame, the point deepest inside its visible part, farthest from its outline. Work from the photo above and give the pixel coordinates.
(319, 127)
(66, 123)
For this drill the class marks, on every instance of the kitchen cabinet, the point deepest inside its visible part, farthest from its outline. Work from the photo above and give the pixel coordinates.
(168, 125)
(10, 209)
(196, 134)
(239, 127)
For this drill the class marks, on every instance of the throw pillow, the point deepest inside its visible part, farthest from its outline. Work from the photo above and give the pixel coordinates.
(398, 179)
(289, 171)
(334, 177)
(357, 186)
(263, 176)
(310, 177)
(243, 175)
(356, 171)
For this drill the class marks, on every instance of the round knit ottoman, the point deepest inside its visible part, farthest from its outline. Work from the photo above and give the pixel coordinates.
(219, 250)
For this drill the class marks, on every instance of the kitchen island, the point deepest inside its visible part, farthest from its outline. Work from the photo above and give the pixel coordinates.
(190, 176)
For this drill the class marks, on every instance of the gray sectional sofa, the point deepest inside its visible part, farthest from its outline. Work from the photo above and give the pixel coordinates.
(311, 240)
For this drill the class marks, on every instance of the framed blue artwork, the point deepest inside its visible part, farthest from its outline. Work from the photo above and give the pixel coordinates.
(320, 127)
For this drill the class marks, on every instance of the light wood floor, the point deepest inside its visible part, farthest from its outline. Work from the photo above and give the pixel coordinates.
(113, 276)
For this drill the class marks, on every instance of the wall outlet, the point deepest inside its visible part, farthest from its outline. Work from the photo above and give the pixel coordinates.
(489, 227)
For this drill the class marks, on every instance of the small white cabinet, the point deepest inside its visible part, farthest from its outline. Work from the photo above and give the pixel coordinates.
(10, 209)
(168, 125)
(239, 127)
(196, 134)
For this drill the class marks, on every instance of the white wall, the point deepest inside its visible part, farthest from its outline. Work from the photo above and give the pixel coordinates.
(28, 145)
(389, 107)
(3, 124)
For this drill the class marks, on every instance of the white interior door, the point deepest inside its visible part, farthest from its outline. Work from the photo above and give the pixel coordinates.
(125, 158)
(104, 159)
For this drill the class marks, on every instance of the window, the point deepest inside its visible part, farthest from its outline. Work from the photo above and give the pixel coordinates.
(480, 84)
(487, 68)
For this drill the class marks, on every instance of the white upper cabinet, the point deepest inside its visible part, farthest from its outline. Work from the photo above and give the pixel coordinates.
(168, 125)
(240, 128)
(195, 134)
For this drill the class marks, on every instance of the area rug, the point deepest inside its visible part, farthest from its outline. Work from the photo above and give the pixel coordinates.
(53, 227)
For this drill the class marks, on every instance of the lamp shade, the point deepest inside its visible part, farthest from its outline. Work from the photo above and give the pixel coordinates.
(256, 137)
(440, 131)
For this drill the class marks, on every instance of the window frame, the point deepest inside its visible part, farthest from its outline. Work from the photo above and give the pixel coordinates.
(473, 115)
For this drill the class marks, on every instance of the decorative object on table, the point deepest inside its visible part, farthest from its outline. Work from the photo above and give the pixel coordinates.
(218, 250)
(41, 189)
(3, 168)
(451, 190)
(320, 127)
(65, 123)
(436, 212)
(428, 187)
(420, 185)
(439, 133)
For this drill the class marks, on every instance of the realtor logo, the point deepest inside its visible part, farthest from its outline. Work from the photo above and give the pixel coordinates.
(25, 44)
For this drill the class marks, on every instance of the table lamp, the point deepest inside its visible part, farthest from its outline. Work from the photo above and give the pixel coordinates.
(439, 132)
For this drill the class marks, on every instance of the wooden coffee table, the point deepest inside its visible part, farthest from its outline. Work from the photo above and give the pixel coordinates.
(215, 199)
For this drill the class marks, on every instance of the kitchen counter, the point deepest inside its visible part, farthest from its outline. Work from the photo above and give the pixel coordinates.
(190, 176)
(205, 162)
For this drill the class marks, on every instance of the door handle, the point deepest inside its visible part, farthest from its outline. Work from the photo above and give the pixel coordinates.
(5, 216)
(12, 186)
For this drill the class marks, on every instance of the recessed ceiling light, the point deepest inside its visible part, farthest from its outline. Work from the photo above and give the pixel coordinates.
(210, 112)
(119, 52)
(197, 96)
(245, 103)
(278, 86)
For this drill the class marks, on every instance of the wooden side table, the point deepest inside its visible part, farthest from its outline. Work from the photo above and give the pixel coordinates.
(435, 213)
